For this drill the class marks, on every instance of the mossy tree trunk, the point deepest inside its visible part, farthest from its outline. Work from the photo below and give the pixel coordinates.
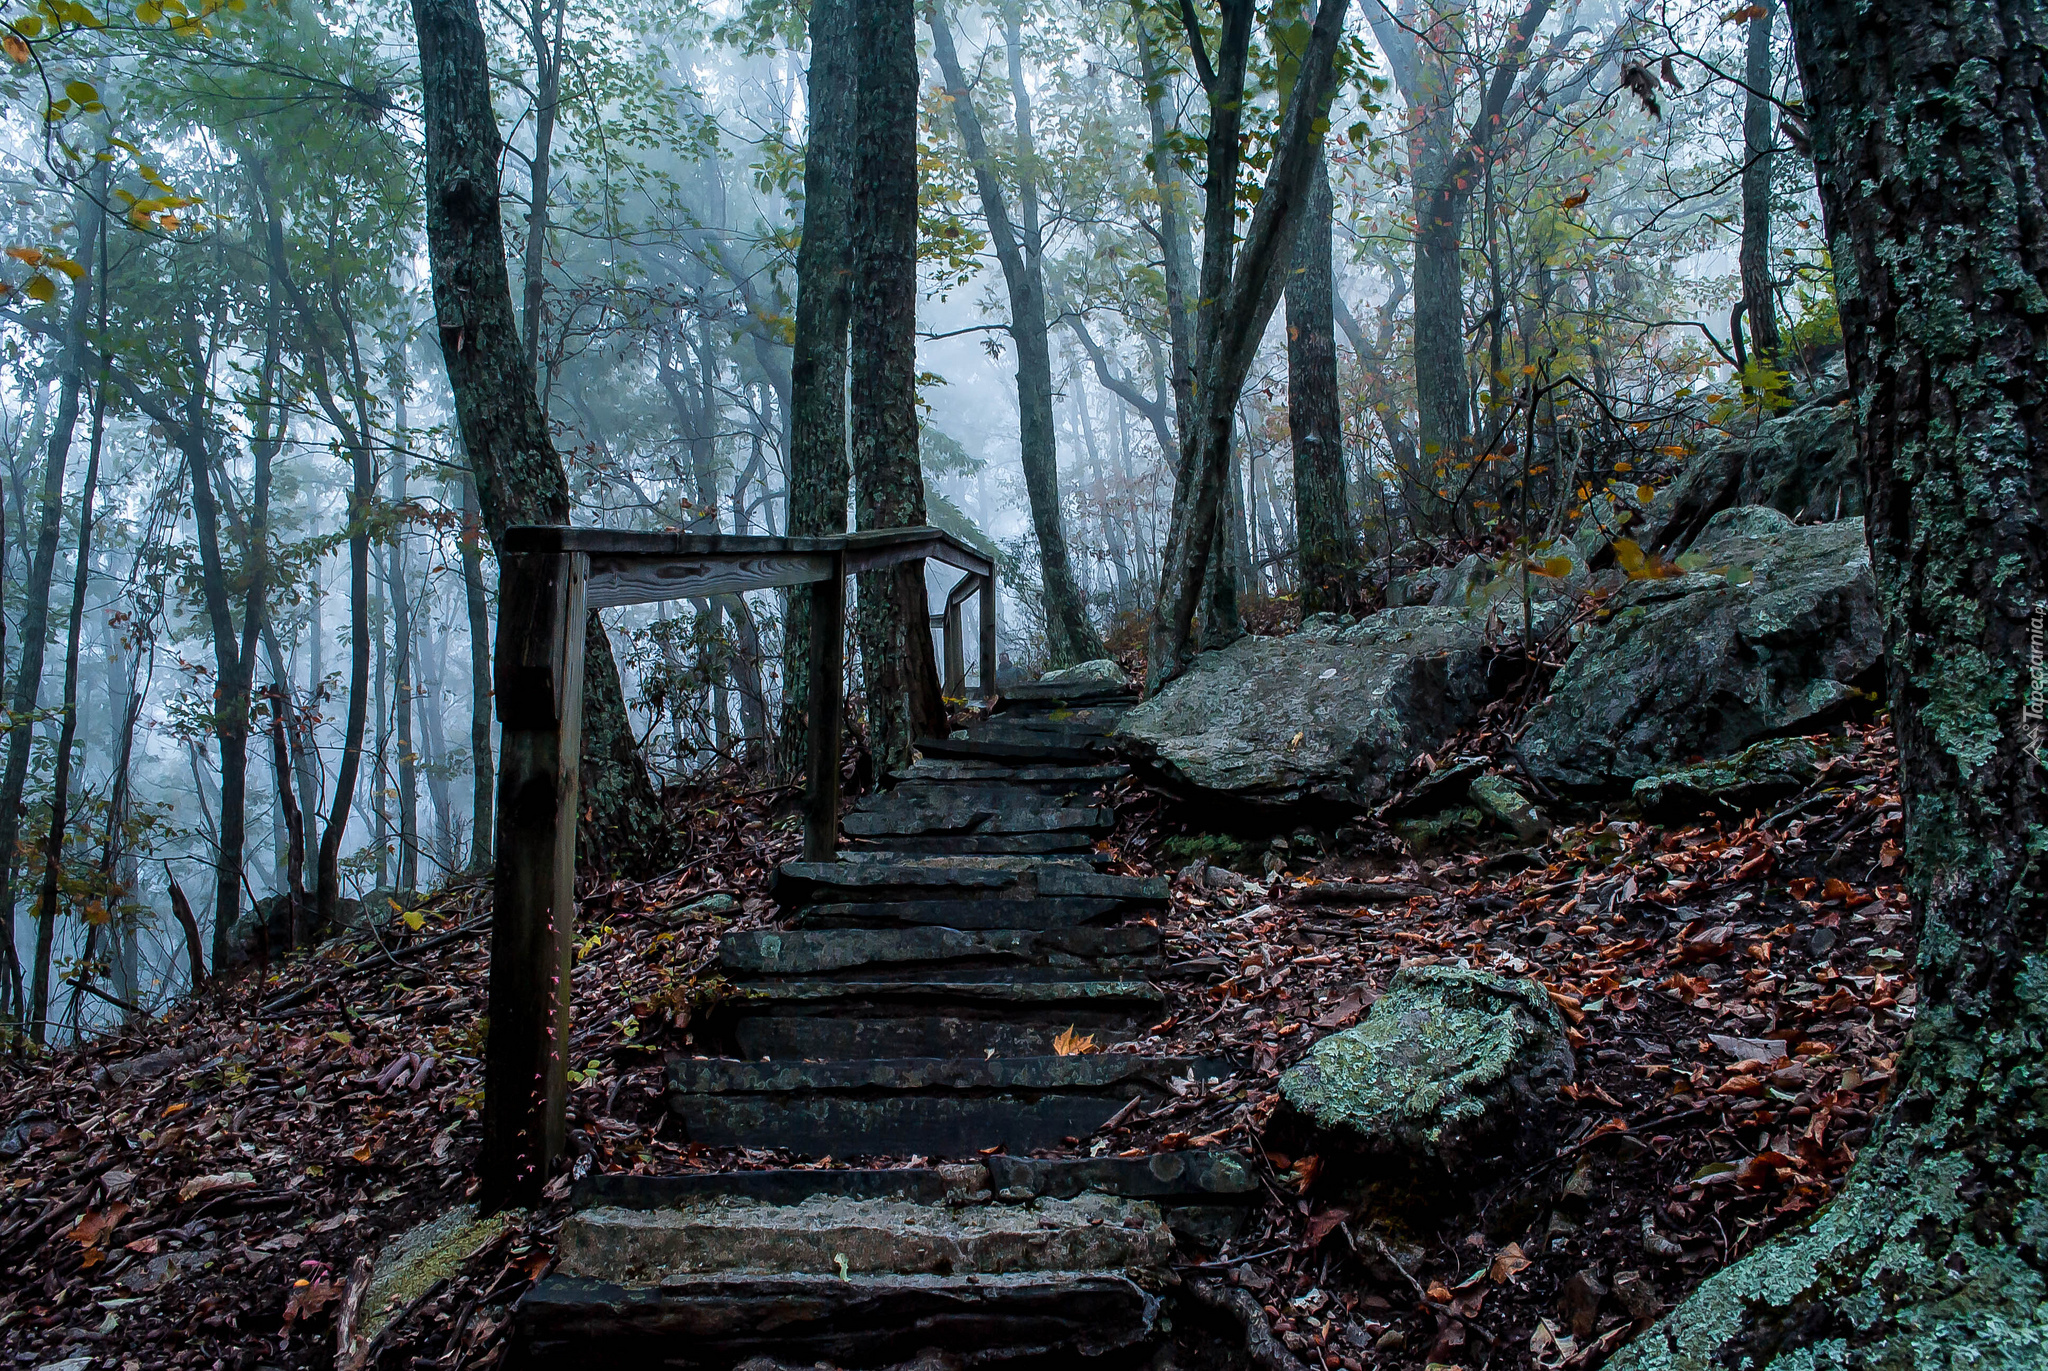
(818, 473)
(1930, 126)
(519, 475)
(1324, 548)
(902, 679)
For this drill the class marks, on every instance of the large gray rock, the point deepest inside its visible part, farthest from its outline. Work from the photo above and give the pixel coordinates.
(1775, 631)
(1451, 1070)
(1333, 713)
(1802, 464)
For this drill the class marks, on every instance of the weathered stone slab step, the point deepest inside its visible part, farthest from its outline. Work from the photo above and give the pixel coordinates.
(845, 1019)
(1081, 777)
(960, 811)
(1061, 845)
(1088, 751)
(797, 883)
(840, 1236)
(1166, 1178)
(931, 1107)
(936, 953)
(1040, 913)
(1070, 693)
(1022, 1322)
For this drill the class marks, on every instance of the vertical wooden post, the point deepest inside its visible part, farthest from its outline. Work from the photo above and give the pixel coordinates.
(539, 663)
(956, 652)
(988, 635)
(828, 670)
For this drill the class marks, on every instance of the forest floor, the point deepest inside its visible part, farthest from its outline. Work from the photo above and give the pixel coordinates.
(203, 1190)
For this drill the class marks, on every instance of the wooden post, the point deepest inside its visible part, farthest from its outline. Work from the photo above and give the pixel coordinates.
(539, 661)
(828, 669)
(988, 635)
(956, 653)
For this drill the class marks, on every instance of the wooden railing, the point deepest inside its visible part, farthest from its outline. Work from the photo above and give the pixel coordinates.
(549, 576)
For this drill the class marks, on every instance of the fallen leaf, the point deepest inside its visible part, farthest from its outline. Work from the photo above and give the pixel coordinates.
(1506, 1263)
(1072, 1044)
(214, 1185)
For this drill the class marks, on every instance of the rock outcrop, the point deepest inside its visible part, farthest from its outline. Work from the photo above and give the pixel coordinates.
(1332, 714)
(1451, 1071)
(1773, 630)
(1801, 463)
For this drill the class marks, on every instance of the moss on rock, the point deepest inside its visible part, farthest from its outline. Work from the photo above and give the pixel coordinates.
(1450, 1071)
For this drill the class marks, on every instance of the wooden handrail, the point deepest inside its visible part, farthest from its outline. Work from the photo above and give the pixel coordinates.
(549, 576)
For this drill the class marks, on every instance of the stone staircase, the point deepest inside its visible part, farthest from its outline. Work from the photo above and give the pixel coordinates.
(910, 1010)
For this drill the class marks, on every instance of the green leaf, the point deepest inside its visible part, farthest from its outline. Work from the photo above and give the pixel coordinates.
(29, 25)
(42, 288)
(83, 92)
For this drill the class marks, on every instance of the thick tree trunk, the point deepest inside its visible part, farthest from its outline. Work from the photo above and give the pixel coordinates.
(819, 476)
(1930, 126)
(1443, 400)
(1758, 303)
(519, 475)
(1324, 551)
(1019, 246)
(902, 680)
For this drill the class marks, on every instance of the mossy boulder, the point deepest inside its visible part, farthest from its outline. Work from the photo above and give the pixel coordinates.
(1101, 671)
(1452, 1072)
(1760, 773)
(1772, 630)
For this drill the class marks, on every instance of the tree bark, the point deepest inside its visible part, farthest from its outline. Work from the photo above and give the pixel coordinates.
(1759, 304)
(1930, 127)
(1326, 558)
(402, 684)
(1020, 250)
(819, 476)
(1236, 302)
(35, 618)
(67, 731)
(482, 774)
(519, 475)
(902, 680)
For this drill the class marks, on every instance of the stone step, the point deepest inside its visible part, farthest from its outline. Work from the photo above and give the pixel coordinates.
(1030, 914)
(941, 953)
(960, 811)
(933, 1107)
(841, 1236)
(990, 878)
(1085, 751)
(849, 1019)
(1037, 735)
(1166, 1178)
(1080, 777)
(1023, 1322)
(1071, 693)
(1062, 845)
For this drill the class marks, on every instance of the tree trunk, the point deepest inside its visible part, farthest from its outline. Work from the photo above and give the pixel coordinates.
(1930, 136)
(361, 490)
(1758, 303)
(1237, 302)
(547, 64)
(402, 680)
(1020, 249)
(1324, 552)
(294, 882)
(67, 732)
(902, 680)
(519, 475)
(482, 773)
(35, 618)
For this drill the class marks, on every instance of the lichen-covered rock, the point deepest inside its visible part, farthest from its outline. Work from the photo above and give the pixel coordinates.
(1773, 628)
(1801, 463)
(1334, 713)
(1503, 802)
(1100, 671)
(1759, 773)
(1451, 1070)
